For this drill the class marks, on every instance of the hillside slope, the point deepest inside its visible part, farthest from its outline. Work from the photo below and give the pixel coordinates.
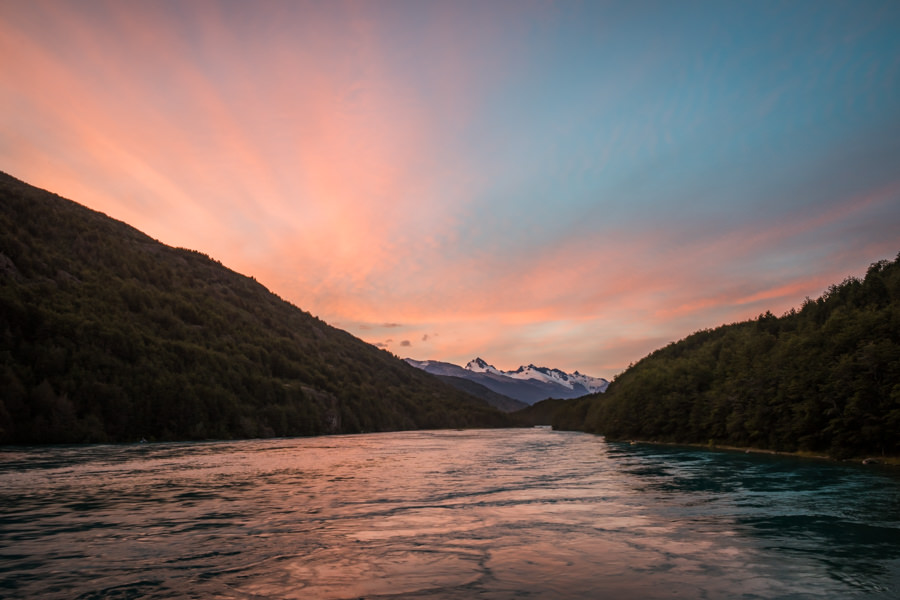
(824, 379)
(499, 401)
(108, 335)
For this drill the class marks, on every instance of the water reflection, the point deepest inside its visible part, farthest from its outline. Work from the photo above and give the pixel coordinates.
(487, 514)
(841, 519)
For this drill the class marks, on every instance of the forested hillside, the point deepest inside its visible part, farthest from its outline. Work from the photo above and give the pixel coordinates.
(541, 413)
(824, 378)
(108, 335)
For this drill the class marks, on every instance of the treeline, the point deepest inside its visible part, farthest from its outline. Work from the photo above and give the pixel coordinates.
(824, 379)
(108, 335)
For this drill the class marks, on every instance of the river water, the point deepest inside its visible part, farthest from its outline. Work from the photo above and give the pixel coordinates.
(490, 514)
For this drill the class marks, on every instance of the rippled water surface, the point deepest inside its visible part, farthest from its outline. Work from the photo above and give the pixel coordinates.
(448, 514)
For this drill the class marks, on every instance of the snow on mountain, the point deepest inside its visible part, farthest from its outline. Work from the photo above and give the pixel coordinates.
(571, 381)
(593, 384)
(419, 364)
(477, 365)
(541, 374)
(527, 384)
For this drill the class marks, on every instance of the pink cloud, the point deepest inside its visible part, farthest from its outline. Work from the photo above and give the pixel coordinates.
(646, 287)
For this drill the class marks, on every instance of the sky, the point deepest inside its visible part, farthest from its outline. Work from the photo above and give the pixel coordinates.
(569, 184)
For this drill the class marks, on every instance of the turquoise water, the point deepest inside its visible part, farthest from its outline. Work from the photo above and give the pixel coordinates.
(488, 514)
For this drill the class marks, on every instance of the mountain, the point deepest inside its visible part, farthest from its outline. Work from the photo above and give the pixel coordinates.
(573, 381)
(541, 413)
(478, 365)
(526, 384)
(498, 401)
(824, 379)
(109, 335)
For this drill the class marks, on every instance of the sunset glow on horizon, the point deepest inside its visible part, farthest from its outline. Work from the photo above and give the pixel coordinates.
(566, 184)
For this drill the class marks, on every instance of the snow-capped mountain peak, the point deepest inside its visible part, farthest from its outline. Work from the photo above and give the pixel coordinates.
(478, 365)
(544, 374)
(526, 384)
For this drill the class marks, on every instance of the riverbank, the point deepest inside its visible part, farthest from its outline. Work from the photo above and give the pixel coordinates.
(891, 461)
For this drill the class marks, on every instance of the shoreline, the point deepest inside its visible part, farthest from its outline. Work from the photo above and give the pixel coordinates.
(888, 461)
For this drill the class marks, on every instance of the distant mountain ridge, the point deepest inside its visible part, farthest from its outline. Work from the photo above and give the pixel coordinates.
(528, 384)
(570, 380)
(497, 400)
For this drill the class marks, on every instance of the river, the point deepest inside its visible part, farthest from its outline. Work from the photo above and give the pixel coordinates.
(488, 514)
